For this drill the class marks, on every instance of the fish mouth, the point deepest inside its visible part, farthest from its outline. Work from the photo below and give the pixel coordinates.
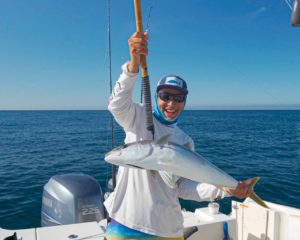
(107, 155)
(110, 155)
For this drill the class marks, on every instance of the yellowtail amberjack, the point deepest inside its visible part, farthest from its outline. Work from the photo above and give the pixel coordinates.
(165, 156)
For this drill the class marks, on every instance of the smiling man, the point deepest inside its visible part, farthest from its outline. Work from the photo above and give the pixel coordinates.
(170, 99)
(142, 205)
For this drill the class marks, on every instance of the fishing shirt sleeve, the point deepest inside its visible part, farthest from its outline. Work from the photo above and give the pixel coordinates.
(191, 190)
(120, 103)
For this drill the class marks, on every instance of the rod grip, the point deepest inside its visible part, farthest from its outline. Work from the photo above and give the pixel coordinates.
(138, 16)
(147, 102)
(139, 28)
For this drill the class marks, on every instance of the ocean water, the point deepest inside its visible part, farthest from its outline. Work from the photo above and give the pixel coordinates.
(36, 145)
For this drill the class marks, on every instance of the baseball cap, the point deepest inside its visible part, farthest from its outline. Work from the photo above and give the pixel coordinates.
(174, 82)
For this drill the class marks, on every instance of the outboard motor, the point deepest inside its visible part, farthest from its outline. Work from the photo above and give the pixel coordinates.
(71, 198)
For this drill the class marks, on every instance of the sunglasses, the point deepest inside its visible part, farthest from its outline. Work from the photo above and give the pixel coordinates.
(164, 96)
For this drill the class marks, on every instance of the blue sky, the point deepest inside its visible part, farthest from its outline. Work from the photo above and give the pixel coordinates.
(233, 54)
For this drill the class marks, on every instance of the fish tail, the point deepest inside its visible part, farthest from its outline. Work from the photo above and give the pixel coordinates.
(255, 197)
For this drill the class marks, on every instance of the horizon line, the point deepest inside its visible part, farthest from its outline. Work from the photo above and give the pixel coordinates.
(191, 107)
(188, 109)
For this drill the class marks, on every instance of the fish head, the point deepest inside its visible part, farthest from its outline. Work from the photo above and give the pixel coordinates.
(131, 154)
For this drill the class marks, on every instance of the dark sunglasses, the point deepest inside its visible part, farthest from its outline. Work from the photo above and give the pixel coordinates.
(172, 97)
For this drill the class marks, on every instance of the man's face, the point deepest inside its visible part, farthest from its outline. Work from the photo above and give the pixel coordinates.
(170, 102)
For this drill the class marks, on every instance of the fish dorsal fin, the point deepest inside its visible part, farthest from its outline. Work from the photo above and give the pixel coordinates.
(167, 178)
(163, 140)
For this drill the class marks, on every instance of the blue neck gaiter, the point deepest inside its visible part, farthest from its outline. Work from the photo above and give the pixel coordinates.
(157, 113)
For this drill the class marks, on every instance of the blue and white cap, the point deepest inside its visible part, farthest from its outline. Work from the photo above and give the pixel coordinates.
(174, 82)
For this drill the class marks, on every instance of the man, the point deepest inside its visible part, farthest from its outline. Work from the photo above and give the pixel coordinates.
(142, 205)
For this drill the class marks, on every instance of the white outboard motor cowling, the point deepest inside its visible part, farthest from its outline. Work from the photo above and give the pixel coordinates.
(71, 198)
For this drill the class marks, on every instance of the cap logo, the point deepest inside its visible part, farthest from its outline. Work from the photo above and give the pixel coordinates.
(174, 81)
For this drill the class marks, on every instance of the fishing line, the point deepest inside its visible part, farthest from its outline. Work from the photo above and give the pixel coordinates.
(149, 15)
(111, 122)
(289, 4)
(148, 19)
(147, 30)
(108, 123)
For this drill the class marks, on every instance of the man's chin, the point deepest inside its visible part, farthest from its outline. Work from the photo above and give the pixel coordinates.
(171, 117)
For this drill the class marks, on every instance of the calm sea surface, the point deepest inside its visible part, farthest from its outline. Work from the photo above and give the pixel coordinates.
(35, 145)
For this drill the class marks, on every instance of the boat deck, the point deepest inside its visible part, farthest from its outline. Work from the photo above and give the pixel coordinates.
(95, 231)
(247, 221)
(80, 231)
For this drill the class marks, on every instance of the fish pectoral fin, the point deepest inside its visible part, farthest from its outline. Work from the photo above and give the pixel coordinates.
(133, 166)
(167, 178)
(163, 140)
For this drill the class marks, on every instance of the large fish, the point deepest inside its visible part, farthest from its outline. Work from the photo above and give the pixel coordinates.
(167, 157)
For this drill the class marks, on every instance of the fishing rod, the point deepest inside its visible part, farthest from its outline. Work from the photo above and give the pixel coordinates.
(113, 168)
(145, 75)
